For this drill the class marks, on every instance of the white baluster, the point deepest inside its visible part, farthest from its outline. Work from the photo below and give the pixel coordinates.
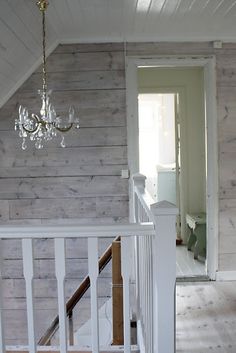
(93, 275)
(28, 266)
(139, 216)
(150, 293)
(145, 289)
(60, 275)
(137, 277)
(142, 275)
(125, 269)
(2, 343)
(136, 202)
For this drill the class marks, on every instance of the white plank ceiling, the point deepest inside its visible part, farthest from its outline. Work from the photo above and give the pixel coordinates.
(106, 21)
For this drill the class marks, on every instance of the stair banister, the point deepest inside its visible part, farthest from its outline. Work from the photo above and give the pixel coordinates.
(155, 270)
(73, 301)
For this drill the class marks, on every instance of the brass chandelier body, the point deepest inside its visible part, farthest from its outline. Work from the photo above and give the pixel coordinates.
(47, 125)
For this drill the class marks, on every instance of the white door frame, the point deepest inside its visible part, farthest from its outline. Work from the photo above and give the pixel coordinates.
(212, 188)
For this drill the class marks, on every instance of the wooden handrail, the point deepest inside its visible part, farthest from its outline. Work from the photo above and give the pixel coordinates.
(75, 298)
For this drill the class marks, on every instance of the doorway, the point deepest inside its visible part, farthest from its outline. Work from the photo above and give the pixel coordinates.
(174, 92)
(172, 153)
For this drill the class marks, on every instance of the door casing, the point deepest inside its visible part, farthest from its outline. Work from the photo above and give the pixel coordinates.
(212, 184)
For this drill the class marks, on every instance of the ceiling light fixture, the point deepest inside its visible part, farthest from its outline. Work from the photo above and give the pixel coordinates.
(47, 125)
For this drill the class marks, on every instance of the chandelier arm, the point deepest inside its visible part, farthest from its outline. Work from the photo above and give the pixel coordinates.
(64, 129)
(30, 131)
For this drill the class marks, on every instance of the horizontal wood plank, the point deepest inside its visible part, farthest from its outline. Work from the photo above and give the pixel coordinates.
(102, 136)
(88, 116)
(63, 99)
(70, 158)
(69, 208)
(44, 171)
(89, 47)
(62, 187)
(169, 48)
(78, 80)
(61, 62)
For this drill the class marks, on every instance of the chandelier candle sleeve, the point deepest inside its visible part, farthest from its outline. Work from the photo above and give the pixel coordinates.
(47, 125)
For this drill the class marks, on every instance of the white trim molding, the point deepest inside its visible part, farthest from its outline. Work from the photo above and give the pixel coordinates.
(208, 63)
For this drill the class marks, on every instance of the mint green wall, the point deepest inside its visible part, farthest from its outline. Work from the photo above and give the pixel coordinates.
(188, 82)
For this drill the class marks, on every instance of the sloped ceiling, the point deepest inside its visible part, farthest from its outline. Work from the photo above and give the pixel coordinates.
(106, 21)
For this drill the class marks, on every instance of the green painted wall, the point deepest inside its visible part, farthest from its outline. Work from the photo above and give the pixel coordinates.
(189, 84)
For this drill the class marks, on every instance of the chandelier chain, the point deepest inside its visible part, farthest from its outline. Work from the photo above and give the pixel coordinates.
(44, 55)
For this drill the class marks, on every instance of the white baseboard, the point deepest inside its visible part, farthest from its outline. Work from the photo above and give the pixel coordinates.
(226, 276)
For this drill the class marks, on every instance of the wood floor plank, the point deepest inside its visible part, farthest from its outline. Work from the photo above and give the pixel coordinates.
(206, 317)
(186, 266)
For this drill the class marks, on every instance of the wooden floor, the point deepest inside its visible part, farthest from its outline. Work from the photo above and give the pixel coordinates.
(186, 266)
(206, 317)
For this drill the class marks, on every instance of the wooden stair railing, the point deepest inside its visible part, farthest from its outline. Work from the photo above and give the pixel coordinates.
(45, 340)
(117, 295)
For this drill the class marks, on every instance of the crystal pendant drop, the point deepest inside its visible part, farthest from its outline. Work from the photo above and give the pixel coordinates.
(71, 114)
(77, 125)
(63, 142)
(39, 144)
(24, 146)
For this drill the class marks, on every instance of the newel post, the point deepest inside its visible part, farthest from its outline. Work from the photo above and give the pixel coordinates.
(164, 276)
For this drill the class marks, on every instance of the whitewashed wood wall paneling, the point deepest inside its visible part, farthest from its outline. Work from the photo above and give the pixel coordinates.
(92, 78)
(48, 185)
(79, 184)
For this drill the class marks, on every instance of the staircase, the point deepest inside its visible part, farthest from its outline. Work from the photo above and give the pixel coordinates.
(82, 337)
(144, 245)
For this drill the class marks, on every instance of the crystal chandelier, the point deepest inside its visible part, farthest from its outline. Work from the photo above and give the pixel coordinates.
(47, 125)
